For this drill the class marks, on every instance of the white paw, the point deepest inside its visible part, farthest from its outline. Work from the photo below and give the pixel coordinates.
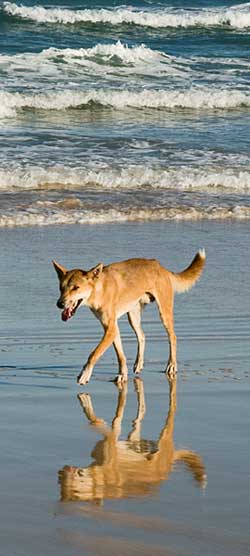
(84, 376)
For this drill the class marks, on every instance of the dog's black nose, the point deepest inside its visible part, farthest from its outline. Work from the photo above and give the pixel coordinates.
(59, 304)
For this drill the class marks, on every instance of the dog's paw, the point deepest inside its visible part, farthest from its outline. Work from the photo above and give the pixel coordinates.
(84, 376)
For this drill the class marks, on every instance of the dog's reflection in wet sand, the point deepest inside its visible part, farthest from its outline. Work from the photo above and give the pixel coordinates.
(132, 467)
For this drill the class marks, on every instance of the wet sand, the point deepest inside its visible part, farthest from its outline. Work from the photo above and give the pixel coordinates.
(171, 477)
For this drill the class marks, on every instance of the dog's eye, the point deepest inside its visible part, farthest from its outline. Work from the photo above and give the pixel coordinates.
(76, 287)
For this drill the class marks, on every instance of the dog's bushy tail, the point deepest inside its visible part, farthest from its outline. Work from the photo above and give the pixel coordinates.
(183, 281)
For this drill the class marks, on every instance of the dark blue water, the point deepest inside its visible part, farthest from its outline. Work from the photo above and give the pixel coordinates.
(114, 112)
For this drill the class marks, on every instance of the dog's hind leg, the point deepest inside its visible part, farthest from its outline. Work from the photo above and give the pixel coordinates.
(134, 317)
(165, 305)
(123, 369)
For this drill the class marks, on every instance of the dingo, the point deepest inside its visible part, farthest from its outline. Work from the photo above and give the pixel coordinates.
(125, 287)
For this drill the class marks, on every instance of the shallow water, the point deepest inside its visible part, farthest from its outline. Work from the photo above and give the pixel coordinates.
(57, 494)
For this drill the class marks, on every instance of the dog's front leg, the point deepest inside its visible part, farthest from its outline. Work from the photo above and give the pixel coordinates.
(107, 340)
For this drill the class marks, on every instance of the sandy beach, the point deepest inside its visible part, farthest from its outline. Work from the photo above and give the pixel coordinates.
(180, 484)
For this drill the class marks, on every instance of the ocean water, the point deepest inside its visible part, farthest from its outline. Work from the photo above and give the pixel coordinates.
(115, 112)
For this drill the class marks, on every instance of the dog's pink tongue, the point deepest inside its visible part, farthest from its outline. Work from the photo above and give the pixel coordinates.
(66, 314)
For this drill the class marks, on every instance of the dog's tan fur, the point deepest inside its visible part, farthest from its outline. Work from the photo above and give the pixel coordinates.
(125, 287)
(132, 467)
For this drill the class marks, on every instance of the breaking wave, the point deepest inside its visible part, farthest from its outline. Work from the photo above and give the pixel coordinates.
(134, 177)
(117, 58)
(237, 16)
(126, 54)
(192, 99)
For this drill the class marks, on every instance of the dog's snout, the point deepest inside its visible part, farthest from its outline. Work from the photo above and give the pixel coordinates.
(59, 304)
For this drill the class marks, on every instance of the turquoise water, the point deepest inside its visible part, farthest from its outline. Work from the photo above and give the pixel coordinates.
(114, 112)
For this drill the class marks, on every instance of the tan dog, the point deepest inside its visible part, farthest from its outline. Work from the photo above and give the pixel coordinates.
(125, 287)
(132, 467)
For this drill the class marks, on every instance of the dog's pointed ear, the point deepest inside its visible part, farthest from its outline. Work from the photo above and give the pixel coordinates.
(60, 270)
(97, 270)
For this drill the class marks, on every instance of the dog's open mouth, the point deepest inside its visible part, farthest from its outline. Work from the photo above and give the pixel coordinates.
(70, 311)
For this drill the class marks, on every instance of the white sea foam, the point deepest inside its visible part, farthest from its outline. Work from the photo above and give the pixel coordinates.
(236, 16)
(192, 99)
(205, 178)
(127, 54)
(39, 218)
(102, 59)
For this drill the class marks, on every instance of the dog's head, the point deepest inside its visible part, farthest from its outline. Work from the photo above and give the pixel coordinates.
(76, 287)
